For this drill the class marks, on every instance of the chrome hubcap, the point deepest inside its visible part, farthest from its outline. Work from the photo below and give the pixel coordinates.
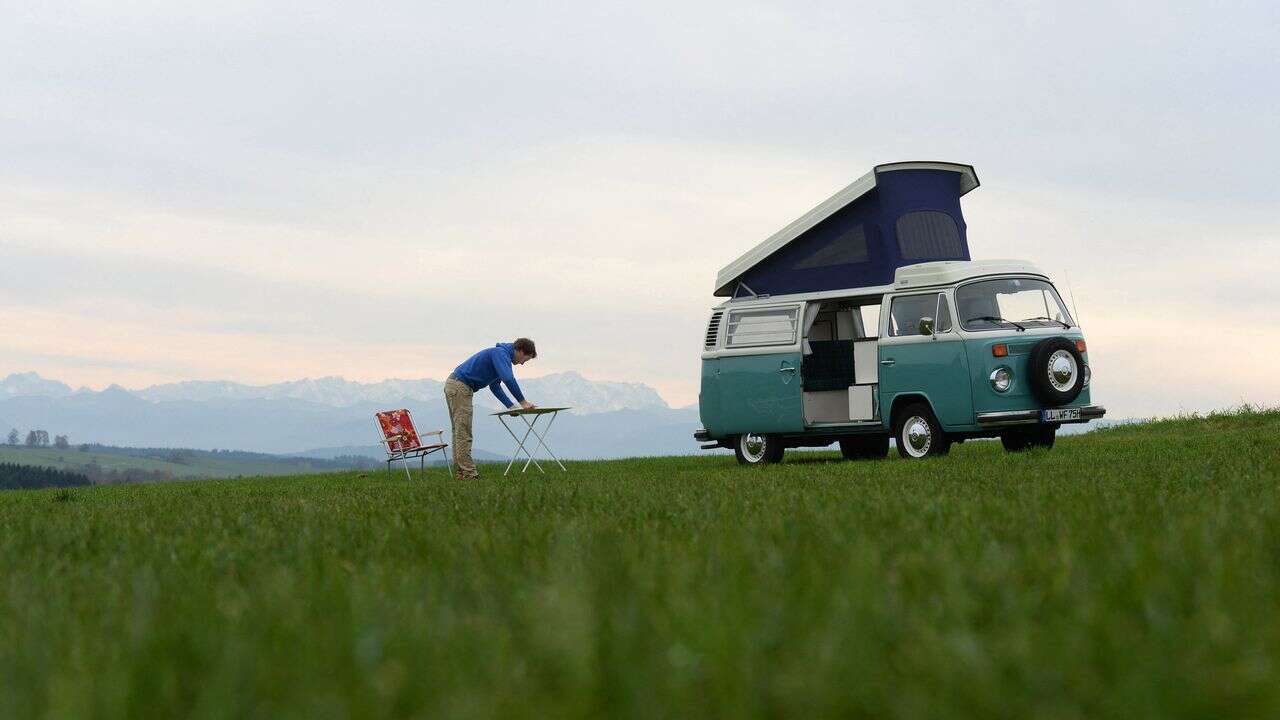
(916, 436)
(1062, 370)
(752, 447)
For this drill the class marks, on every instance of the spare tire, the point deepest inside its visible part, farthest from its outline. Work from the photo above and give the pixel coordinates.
(1057, 371)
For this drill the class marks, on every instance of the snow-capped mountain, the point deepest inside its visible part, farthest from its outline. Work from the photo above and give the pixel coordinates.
(570, 389)
(586, 397)
(567, 388)
(333, 391)
(29, 383)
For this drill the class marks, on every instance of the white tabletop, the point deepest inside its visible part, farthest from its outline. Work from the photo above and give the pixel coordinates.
(534, 411)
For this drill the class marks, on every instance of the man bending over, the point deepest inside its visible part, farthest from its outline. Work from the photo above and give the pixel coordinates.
(488, 368)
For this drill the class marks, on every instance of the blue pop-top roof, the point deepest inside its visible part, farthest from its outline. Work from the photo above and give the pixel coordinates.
(897, 214)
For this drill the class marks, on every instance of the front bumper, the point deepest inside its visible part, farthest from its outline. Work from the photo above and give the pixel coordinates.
(1032, 417)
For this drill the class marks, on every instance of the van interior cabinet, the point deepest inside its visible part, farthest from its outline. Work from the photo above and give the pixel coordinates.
(866, 361)
(862, 405)
(826, 406)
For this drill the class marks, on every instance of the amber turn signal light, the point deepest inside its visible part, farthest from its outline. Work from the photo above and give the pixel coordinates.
(1080, 346)
(999, 350)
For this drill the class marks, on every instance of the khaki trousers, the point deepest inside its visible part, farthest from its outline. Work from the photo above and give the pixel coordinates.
(458, 397)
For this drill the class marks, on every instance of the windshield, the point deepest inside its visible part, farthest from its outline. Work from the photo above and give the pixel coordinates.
(1010, 303)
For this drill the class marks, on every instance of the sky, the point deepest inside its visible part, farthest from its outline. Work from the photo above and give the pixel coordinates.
(258, 193)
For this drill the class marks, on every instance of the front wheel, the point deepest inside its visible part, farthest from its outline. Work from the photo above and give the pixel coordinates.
(758, 449)
(919, 434)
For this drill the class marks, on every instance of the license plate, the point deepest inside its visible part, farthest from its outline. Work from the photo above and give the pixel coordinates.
(1060, 415)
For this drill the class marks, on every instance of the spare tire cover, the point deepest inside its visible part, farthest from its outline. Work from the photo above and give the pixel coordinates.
(1057, 371)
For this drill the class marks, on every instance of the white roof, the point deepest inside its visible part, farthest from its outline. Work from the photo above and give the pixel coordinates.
(909, 277)
(946, 272)
(827, 208)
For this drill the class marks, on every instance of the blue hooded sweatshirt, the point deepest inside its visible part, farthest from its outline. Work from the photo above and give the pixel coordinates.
(491, 367)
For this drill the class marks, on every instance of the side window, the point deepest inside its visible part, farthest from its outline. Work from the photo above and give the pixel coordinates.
(846, 249)
(771, 326)
(942, 323)
(906, 311)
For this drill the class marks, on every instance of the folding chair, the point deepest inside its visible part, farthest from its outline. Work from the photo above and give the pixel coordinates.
(402, 443)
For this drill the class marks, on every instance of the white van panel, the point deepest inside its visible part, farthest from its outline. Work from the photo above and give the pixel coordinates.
(826, 406)
(866, 362)
(861, 403)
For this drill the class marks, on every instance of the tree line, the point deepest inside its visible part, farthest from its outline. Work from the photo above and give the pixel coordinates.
(22, 477)
(38, 438)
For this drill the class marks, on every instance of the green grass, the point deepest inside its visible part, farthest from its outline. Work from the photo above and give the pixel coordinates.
(1128, 573)
(193, 464)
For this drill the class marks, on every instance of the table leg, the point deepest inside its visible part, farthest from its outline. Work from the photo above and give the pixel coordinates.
(519, 447)
(542, 439)
(516, 454)
(531, 429)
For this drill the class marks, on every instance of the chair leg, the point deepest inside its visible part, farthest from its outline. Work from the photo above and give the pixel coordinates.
(406, 468)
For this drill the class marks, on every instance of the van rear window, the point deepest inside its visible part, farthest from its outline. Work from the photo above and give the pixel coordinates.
(929, 235)
(768, 326)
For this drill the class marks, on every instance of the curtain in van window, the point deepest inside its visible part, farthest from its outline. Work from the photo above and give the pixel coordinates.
(810, 314)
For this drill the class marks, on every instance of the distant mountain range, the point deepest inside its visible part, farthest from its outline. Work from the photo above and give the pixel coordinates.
(330, 416)
(567, 388)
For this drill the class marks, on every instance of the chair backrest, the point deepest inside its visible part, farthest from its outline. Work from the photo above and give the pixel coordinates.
(397, 430)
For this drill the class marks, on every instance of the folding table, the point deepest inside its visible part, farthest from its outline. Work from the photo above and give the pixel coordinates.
(531, 428)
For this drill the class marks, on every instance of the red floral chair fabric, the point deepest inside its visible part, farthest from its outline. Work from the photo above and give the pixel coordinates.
(398, 431)
(402, 442)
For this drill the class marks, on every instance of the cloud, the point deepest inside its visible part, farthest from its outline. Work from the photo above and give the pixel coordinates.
(256, 193)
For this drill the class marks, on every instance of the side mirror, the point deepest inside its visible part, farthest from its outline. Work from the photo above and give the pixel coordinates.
(926, 326)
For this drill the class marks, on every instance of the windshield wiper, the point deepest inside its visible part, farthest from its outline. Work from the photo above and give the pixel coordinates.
(1064, 324)
(993, 318)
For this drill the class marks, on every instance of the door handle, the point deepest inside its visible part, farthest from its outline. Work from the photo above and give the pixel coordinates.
(888, 361)
(786, 370)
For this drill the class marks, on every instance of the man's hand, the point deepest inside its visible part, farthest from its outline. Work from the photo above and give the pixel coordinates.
(526, 405)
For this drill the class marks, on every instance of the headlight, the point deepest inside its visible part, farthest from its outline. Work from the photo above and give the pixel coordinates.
(1002, 378)
(1088, 375)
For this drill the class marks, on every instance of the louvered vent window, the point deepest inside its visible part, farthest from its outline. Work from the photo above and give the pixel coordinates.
(713, 330)
(772, 326)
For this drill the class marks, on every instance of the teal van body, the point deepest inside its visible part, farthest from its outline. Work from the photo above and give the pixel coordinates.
(866, 319)
(1019, 395)
(942, 367)
(935, 368)
(758, 393)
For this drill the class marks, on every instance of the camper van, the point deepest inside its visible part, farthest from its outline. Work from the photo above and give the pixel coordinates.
(866, 320)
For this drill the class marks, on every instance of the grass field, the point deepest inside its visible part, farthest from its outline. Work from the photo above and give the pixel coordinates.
(1129, 573)
(190, 464)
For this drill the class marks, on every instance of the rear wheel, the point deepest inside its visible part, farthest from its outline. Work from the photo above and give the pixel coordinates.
(869, 447)
(758, 449)
(1026, 439)
(918, 433)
